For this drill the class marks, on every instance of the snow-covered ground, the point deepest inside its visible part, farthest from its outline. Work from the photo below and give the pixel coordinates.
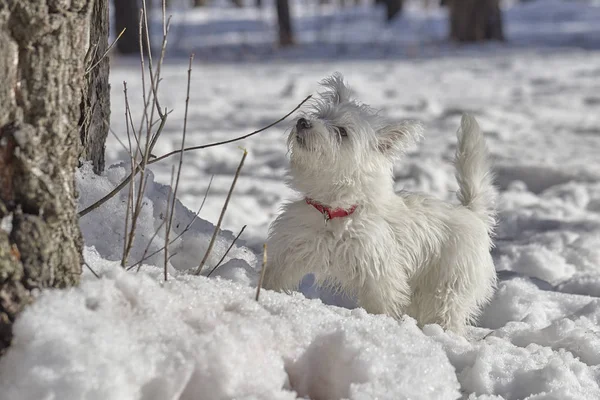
(131, 336)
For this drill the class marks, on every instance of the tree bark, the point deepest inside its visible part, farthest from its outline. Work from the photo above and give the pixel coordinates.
(43, 100)
(475, 20)
(127, 16)
(393, 8)
(95, 105)
(286, 34)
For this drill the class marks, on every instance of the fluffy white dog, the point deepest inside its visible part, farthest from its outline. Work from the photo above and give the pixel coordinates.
(396, 253)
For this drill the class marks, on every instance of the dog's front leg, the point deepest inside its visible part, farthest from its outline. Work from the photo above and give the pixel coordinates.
(282, 273)
(291, 256)
(385, 295)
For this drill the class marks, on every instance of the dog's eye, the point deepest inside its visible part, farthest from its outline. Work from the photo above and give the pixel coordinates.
(342, 131)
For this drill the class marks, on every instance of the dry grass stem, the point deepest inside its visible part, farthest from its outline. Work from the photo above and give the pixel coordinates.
(168, 218)
(223, 210)
(262, 272)
(91, 270)
(129, 208)
(227, 252)
(174, 197)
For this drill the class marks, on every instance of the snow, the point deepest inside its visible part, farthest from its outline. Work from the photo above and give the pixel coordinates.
(130, 335)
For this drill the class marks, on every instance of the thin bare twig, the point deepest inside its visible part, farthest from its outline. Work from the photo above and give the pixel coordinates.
(153, 85)
(227, 252)
(223, 210)
(112, 132)
(166, 28)
(164, 13)
(142, 66)
(147, 144)
(180, 166)
(126, 180)
(144, 258)
(91, 270)
(187, 227)
(205, 146)
(105, 53)
(128, 115)
(135, 135)
(262, 272)
(168, 225)
(129, 207)
(158, 120)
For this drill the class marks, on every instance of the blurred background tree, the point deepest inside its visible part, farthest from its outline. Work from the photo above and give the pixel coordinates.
(468, 20)
(475, 20)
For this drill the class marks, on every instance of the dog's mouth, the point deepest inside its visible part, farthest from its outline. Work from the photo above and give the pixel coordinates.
(300, 140)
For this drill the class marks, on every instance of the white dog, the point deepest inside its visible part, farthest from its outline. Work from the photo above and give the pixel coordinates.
(396, 253)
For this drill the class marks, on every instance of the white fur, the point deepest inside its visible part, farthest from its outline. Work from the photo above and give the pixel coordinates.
(397, 253)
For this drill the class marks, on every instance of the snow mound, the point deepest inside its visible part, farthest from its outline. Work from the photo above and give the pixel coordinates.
(104, 228)
(129, 336)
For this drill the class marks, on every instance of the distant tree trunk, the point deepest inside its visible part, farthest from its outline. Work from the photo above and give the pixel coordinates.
(475, 20)
(286, 35)
(199, 3)
(258, 3)
(127, 16)
(43, 99)
(393, 7)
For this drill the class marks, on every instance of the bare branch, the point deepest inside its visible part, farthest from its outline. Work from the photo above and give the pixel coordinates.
(142, 65)
(112, 132)
(163, 121)
(227, 252)
(223, 210)
(91, 270)
(174, 199)
(205, 146)
(129, 208)
(168, 225)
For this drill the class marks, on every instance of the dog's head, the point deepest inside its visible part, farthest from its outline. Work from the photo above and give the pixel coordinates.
(342, 145)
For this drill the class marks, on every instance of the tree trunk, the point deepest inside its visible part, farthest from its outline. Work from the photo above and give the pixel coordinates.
(475, 20)
(95, 120)
(43, 99)
(199, 3)
(393, 7)
(127, 16)
(286, 35)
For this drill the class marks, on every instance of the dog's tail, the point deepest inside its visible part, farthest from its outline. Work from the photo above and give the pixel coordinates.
(473, 173)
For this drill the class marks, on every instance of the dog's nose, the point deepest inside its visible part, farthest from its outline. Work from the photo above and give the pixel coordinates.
(303, 124)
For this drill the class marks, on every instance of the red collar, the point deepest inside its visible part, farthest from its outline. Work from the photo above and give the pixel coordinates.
(330, 213)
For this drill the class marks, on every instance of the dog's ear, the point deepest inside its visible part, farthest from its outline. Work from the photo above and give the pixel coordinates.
(394, 140)
(336, 90)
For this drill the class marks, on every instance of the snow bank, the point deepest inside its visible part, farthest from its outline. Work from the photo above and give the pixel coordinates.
(128, 336)
(546, 346)
(103, 228)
